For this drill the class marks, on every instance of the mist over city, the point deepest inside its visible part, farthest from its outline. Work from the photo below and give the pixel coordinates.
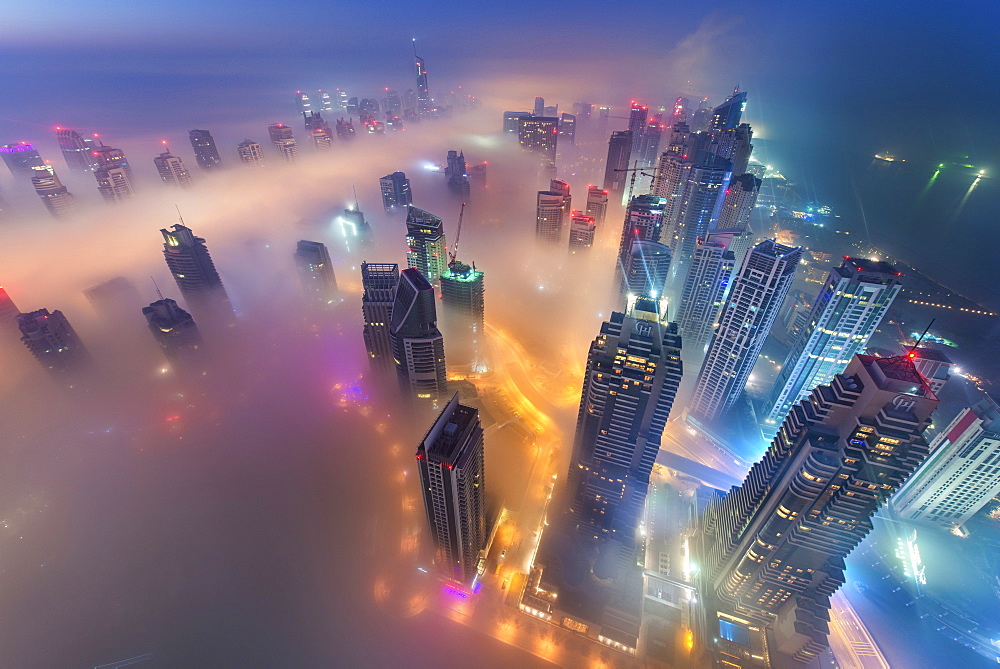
(450, 339)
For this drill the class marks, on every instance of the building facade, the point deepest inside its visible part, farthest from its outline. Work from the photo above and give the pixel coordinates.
(417, 344)
(426, 245)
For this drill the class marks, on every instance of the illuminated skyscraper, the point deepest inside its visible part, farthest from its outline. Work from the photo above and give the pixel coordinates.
(424, 103)
(56, 197)
(646, 267)
(633, 371)
(205, 152)
(637, 115)
(76, 150)
(194, 272)
(619, 150)
(303, 102)
(727, 115)
(425, 243)
(933, 365)
(345, 130)
(960, 477)
(552, 209)
(643, 221)
(324, 102)
(51, 339)
(451, 461)
(456, 174)
(852, 303)
(511, 120)
(756, 295)
(737, 209)
(539, 135)
(174, 330)
(21, 159)
(581, 231)
(395, 191)
(701, 201)
(539, 108)
(567, 128)
(319, 131)
(355, 228)
(171, 170)
(379, 282)
(647, 150)
(114, 184)
(462, 295)
(283, 140)
(771, 552)
(597, 204)
(392, 105)
(705, 287)
(250, 152)
(312, 260)
(733, 144)
(417, 344)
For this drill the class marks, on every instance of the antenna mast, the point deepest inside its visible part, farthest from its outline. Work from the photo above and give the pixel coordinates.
(458, 235)
(158, 293)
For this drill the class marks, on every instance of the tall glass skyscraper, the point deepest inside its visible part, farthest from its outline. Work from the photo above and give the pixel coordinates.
(379, 282)
(205, 152)
(425, 243)
(417, 344)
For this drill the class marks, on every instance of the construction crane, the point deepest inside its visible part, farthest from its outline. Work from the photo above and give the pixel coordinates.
(637, 170)
(458, 235)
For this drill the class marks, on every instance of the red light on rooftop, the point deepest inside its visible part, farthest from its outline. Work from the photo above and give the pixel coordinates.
(911, 354)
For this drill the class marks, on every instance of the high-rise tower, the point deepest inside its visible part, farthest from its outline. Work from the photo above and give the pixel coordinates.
(615, 176)
(462, 296)
(205, 152)
(552, 207)
(597, 205)
(960, 477)
(283, 140)
(171, 170)
(424, 103)
(379, 282)
(312, 260)
(396, 192)
(417, 344)
(852, 303)
(456, 175)
(194, 272)
(756, 295)
(21, 159)
(727, 115)
(113, 174)
(451, 461)
(250, 152)
(75, 150)
(643, 221)
(582, 229)
(771, 552)
(57, 199)
(174, 330)
(425, 243)
(705, 288)
(539, 135)
(319, 131)
(51, 339)
(737, 209)
(646, 267)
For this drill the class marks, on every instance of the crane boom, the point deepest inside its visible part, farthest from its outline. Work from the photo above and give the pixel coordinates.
(458, 235)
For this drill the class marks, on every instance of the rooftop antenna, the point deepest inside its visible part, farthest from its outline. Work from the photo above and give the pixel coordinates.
(179, 217)
(920, 339)
(357, 205)
(415, 48)
(158, 293)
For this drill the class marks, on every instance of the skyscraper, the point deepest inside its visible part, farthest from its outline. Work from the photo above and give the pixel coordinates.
(643, 221)
(960, 477)
(355, 228)
(933, 365)
(539, 135)
(57, 199)
(21, 159)
(8, 314)
(462, 296)
(324, 103)
(205, 152)
(319, 131)
(597, 204)
(756, 295)
(637, 123)
(701, 201)
(737, 209)
(425, 243)
(581, 231)
(51, 339)
(379, 282)
(171, 170)
(303, 103)
(633, 371)
(567, 128)
(852, 303)
(424, 103)
(114, 184)
(312, 260)
(75, 150)
(250, 152)
(705, 287)
(283, 140)
(417, 344)
(551, 210)
(646, 267)
(451, 461)
(194, 272)
(174, 330)
(345, 130)
(619, 150)
(395, 191)
(727, 115)
(539, 108)
(456, 175)
(511, 120)
(771, 552)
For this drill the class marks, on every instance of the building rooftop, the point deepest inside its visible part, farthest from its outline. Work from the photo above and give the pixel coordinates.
(867, 265)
